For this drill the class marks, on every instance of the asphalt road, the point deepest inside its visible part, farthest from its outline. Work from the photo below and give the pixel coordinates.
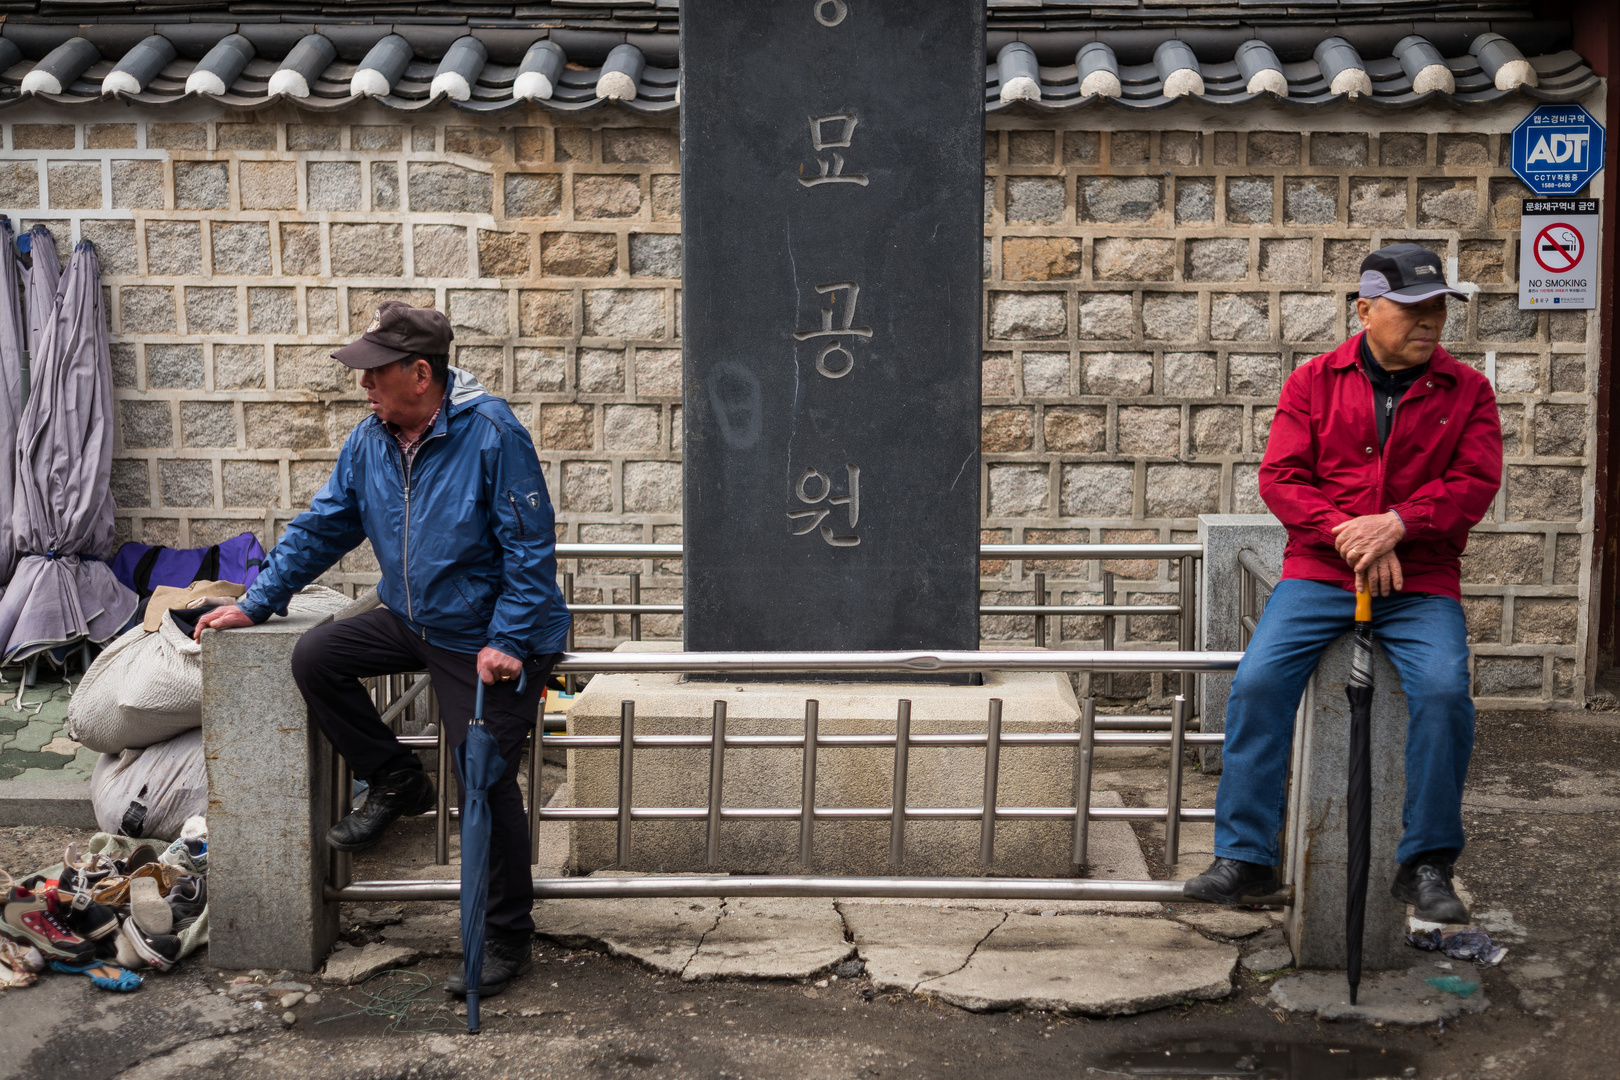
(1543, 812)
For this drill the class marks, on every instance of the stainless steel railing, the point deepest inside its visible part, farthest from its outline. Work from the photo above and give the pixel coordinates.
(1253, 577)
(810, 742)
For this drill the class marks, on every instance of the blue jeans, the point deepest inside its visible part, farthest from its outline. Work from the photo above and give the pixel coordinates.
(1424, 636)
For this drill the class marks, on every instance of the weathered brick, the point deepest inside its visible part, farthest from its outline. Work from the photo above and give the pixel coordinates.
(1033, 200)
(1543, 493)
(265, 185)
(601, 371)
(115, 244)
(573, 144)
(240, 247)
(1565, 325)
(1169, 316)
(174, 367)
(1027, 316)
(300, 249)
(1311, 200)
(251, 483)
(146, 424)
(272, 311)
(176, 136)
(438, 186)
(424, 137)
(282, 424)
(1081, 147)
(121, 359)
(1133, 259)
(1128, 148)
(1144, 430)
(1500, 319)
(1006, 431)
(42, 136)
(384, 185)
(1464, 149)
(1482, 261)
(1030, 147)
(1567, 559)
(996, 375)
(1223, 259)
(587, 487)
(1116, 374)
(334, 185)
(567, 427)
(245, 136)
(631, 313)
(211, 310)
(1568, 373)
(652, 487)
(655, 255)
(1136, 200)
(1518, 374)
(1338, 148)
(1307, 317)
(369, 249)
(313, 137)
(666, 198)
(207, 423)
(1341, 259)
(438, 251)
(1561, 430)
(1377, 203)
(1273, 148)
(1098, 491)
(131, 484)
(147, 309)
(1483, 617)
(1239, 317)
(545, 314)
(363, 303)
(1254, 375)
(236, 367)
(477, 142)
(1544, 621)
(1504, 559)
(75, 185)
(173, 247)
(1046, 373)
(1039, 258)
(606, 196)
(1507, 200)
(1106, 316)
(321, 311)
(1183, 491)
(1189, 374)
(630, 427)
(486, 363)
(186, 483)
(655, 146)
(1195, 201)
(479, 312)
(1217, 429)
(1285, 260)
(1077, 429)
(503, 254)
(575, 254)
(376, 137)
(1403, 148)
(310, 367)
(1181, 148)
(533, 195)
(136, 185)
(1019, 490)
(1249, 200)
(1512, 417)
(1507, 676)
(1448, 204)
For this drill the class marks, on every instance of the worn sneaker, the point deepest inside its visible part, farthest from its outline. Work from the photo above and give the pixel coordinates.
(147, 908)
(188, 900)
(1232, 881)
(90, 920)
(403, 793)
(162, 951)
(38, 919)
(506, 956)
(1425, 883)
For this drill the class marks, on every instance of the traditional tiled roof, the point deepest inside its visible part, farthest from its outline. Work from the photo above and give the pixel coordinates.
(577, 54)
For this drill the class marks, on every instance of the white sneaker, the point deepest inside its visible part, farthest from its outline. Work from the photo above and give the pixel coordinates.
(148, 908)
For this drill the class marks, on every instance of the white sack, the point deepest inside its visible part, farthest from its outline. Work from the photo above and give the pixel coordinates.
(151, 792)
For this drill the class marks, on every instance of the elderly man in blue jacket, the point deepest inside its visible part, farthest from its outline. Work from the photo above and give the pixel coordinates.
(444, 482)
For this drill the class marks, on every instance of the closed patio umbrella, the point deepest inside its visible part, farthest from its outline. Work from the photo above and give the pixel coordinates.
(13, 341)
(1358, 793)
(61, 591)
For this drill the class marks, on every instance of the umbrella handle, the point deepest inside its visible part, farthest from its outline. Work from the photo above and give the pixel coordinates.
(478, 701)
(1363, 605)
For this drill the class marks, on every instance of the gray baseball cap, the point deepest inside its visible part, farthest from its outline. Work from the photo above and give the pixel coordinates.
(1406, 274)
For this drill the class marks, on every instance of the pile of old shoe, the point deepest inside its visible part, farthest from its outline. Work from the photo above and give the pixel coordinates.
(103, 917)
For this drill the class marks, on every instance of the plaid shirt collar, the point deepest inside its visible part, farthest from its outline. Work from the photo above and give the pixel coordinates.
(410, 446)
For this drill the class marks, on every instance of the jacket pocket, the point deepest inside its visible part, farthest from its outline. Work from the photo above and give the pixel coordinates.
(526, 502)
(476, 595)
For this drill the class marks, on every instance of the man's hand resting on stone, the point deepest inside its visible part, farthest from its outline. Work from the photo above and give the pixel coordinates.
(229, 617)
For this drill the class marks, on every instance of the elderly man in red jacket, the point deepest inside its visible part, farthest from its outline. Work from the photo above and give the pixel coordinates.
(1382, 455)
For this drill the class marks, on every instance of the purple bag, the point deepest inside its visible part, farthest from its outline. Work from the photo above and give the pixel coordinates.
(143, 567)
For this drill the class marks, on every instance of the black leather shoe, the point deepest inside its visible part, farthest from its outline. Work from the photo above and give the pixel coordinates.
(505, 958)
(403, 793)
(1426, 885)
(1232, 881)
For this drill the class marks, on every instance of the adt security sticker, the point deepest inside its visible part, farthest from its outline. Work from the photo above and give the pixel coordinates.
(1558, 242)
(1557, 149)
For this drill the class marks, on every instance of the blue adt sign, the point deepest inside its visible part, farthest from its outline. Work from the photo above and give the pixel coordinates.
(1557, 149)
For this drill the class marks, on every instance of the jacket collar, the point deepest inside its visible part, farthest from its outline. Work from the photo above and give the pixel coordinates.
(1441, 364)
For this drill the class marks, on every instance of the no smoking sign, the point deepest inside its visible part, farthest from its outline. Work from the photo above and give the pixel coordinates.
(1557, 263)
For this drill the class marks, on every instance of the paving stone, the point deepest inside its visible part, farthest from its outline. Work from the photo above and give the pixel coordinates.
(1385, 997)
(1225, 923)
(661, 932)
(1272, 959)
(356, 965)
(771, 939)
(1099, 965)
(904, 944)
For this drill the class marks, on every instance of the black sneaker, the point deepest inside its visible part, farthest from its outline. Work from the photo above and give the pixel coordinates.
(188, 899)
(403, 793)
(1232, 881)
(1425, 883)
(506, 956)
(162, 951)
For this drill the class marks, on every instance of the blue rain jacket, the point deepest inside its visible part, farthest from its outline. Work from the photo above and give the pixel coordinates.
(466, 539)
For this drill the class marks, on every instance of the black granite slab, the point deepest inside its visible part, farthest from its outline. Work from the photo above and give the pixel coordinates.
(832, 199)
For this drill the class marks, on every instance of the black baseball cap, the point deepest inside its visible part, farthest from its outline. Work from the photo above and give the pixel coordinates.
(1406, 274)
(398, 331)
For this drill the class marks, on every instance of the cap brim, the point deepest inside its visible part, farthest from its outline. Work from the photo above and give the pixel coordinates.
(1413, 294)
(368, 354)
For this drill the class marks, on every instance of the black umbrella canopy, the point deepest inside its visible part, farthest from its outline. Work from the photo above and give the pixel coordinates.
(1358, 801)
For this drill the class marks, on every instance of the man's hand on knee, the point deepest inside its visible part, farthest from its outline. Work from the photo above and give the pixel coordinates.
(1362, 541)
(229, 617)
(495, 666)
(1383, 577)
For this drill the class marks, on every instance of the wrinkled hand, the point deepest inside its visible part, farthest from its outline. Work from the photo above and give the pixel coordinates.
(1383, 577)
(229, 617)
(495, 666)
(1363, 541)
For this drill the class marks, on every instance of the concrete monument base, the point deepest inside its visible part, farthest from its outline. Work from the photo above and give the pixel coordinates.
(845, 777)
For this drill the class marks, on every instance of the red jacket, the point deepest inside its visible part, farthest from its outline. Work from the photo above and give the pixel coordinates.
(1440, 469)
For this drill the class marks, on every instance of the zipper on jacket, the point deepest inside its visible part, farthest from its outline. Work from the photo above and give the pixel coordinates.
(405, 559)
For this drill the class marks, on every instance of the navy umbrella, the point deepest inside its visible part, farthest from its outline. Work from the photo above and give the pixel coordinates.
(1358, 801)
(479, 767)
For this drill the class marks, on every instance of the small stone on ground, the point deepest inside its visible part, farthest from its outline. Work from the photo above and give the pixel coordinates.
(356, 965)
(1385, 997)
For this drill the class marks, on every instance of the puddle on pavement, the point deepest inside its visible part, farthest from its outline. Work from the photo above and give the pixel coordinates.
(1258, 1061)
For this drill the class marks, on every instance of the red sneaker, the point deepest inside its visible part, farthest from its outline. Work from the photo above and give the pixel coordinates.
(36, 918)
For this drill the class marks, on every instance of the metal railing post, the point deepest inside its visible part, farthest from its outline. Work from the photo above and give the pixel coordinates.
(441, 824)
(717, 777)
(627, 740)
(635, 598)
(536, 750)
(1082, 779)
(807, 799)
(1172, 814)
(1040, 620)
(570, 685)
(992, 773)
(1189, 622)
(902, 756)
(1108, 629)
(342, 860)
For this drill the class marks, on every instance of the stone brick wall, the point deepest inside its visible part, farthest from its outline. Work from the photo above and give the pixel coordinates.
(1146, 293)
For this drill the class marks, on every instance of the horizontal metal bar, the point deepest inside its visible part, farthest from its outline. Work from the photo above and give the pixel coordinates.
(553, 722)
(1139, 723)
(717, 885)
(898, 662)
(986, 551)
(1251, 562)
(1076, 609)
(1021, 738)
(869, 813)
(422, 682)
(1250, 623)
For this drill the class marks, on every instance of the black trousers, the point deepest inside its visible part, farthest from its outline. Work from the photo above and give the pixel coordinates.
(329, 663)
